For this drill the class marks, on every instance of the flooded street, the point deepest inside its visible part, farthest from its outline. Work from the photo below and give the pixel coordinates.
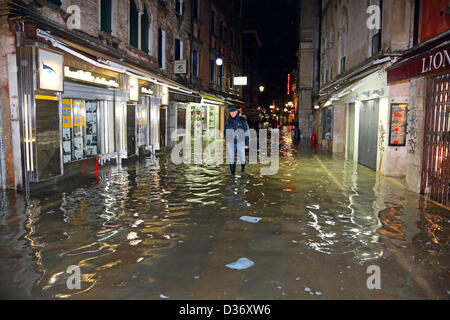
(154, 230)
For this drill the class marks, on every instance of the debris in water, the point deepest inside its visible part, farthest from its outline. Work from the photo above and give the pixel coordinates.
(241, 264)
(318, 293)
(251, 219)
(307, 289)
(163, 296)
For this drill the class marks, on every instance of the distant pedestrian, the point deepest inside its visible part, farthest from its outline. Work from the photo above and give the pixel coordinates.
(314, 143)
(237, 126)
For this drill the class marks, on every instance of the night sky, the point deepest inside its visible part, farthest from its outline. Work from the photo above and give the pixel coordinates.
(277, 23)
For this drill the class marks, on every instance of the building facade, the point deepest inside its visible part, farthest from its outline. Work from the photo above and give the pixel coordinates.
(370, 106)
(87, 83)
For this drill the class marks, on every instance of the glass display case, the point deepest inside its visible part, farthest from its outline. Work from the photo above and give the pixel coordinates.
(80, 129)
(91, 129)
(142, 125)
(67, 130)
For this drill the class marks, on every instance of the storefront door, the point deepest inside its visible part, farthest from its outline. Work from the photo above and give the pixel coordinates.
(48, 152)
(436, 158)
(368, 134)
(163, 128)
(131, 130)
(351, 132)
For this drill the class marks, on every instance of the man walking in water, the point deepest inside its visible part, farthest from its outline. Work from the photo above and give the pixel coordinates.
(238, 138)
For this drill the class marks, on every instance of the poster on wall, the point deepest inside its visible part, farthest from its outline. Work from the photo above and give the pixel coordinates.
(51, 76)
(398, 126)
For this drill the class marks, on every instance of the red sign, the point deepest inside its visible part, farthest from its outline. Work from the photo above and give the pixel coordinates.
(438, 60)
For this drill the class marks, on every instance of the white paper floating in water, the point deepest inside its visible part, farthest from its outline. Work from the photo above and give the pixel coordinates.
(241, 264)
(132, 236)
(251, 219)
(163, 296)
(315, 207)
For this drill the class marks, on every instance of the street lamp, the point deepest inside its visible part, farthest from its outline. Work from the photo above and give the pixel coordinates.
(219, 62)
(261, 89)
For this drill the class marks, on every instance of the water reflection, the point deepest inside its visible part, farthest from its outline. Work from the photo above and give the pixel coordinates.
(150, 226)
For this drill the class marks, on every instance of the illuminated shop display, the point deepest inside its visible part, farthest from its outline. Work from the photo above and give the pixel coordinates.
(142, 123)
(89, 77)
(398, 127)
(79, 120)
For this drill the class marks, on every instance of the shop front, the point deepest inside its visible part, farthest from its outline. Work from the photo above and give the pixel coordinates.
(208, 117)
(423, 74)
(180, 117)
(356, 122)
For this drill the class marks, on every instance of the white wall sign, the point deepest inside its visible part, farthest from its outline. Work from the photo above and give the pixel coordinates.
(87, 76)
(164, 96)
(50, 71)
(240, 81)
(134, 89)
(180, 67)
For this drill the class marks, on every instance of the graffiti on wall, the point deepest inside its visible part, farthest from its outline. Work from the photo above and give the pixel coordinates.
(382, 142)
(413, 132)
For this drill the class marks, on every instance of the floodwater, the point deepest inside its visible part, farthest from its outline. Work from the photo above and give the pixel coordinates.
(154, 230)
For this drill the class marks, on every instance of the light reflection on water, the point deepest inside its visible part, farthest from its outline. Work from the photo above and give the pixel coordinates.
(132, 229)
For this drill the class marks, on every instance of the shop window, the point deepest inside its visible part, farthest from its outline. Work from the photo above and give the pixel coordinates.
(79, 120)
(142, 123)
(106, 16)
(327, 123)
(107, 127)
(91, 130)
(134, 25)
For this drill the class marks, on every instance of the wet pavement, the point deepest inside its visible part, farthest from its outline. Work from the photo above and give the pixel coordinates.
(154, 230)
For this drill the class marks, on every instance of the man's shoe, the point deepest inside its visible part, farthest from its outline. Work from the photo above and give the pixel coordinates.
(233, 169)
(243, 168)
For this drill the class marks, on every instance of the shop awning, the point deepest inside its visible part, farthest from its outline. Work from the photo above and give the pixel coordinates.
(186, 98)
(236, 102)
(109, 64)
(209, 98)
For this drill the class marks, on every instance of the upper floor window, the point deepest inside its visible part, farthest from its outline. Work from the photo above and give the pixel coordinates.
(213, 22)
(178, 46)
(179, 7)
(195, 63)
(162, 48)
(212, 70)
(222, 31)
(195, 9)
(56, 2)
(145, 31)
(232, 38)
(106, 16)
(134, 24)
(343, 31)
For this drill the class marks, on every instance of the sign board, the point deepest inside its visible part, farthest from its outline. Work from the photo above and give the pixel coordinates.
(180, 67)
(134, 89)
(240, 81)
(51, 75)
(398, 127)
(435, 61)
(164, 96)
